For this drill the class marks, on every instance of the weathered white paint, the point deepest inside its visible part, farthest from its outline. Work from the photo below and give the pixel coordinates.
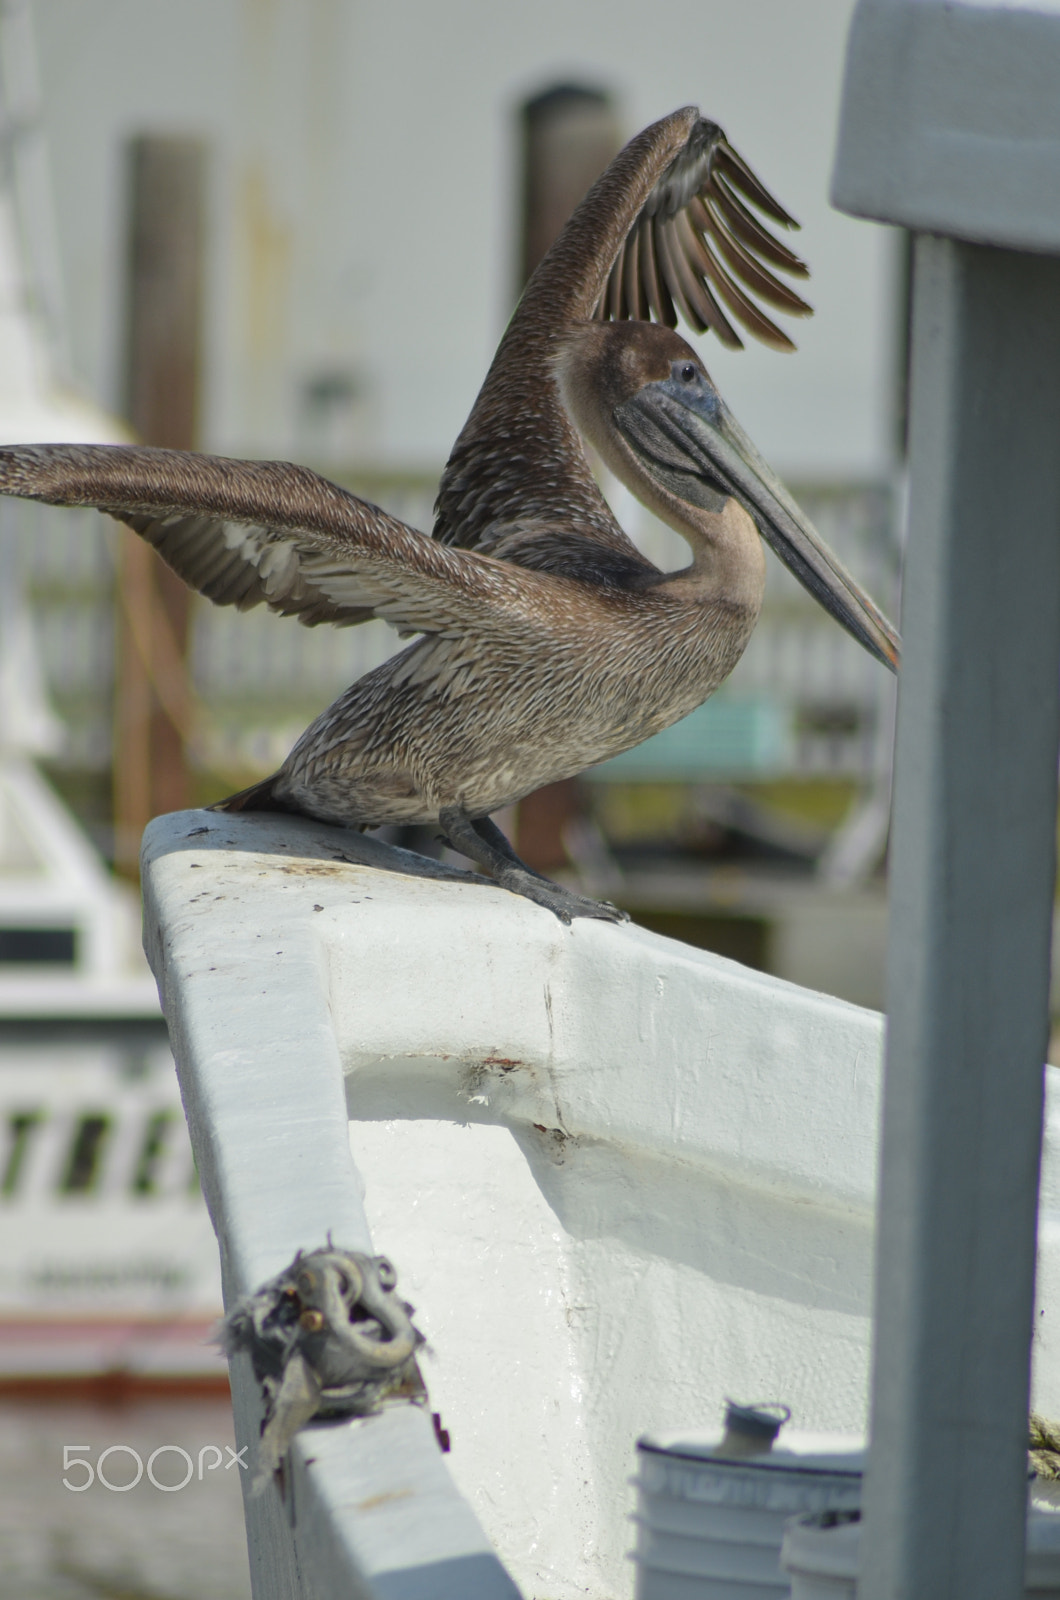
(620, 1178)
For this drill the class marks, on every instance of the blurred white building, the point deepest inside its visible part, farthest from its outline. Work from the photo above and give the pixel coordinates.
(365, 199)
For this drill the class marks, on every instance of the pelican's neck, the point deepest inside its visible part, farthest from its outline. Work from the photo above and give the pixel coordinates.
(728, 561)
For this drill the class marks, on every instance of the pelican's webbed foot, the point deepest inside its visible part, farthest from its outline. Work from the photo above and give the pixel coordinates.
(484, 844)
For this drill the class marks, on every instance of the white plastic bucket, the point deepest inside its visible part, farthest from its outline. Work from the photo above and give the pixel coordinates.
(820, 1554)
(710, 1528)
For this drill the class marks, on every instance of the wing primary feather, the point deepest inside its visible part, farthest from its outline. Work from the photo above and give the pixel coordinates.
(672, 278)
(694, 289)
(748, 228)
(743, 178)
(738, 303)
(658, 294)
(649, 271)
(614, 290)
(632, 286)
(707, 216)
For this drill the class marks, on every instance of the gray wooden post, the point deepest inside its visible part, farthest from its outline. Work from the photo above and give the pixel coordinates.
(971, 909)
(940, 103)
(163, 337)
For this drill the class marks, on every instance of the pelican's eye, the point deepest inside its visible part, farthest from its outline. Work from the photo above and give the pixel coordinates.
(689, 373)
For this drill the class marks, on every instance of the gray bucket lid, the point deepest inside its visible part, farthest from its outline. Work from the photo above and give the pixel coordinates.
(842, 1453)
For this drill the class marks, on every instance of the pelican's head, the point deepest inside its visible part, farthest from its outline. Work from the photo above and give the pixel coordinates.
(642, 396)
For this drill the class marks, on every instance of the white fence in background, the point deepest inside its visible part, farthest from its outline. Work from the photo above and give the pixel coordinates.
(804, 700)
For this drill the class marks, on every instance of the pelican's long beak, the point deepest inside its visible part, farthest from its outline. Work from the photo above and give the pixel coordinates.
(685, 437)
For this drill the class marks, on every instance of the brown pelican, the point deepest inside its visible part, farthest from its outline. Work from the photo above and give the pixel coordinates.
(546, 641)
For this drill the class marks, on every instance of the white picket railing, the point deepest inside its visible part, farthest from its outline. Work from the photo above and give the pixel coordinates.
(259, 679)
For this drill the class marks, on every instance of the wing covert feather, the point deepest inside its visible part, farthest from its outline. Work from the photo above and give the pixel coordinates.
(249, 533)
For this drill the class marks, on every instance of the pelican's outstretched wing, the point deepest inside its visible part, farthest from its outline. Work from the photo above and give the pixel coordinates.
(248, 533)
(670, 227)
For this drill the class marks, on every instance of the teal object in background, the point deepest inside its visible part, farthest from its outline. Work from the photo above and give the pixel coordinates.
(735, 735)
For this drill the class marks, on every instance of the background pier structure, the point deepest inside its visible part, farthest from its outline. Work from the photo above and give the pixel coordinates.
(951, 128)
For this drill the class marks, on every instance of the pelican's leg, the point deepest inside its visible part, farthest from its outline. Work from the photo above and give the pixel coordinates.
(484, 844)
(488, 830)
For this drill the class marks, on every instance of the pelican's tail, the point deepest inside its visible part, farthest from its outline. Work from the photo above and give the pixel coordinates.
(259, 797)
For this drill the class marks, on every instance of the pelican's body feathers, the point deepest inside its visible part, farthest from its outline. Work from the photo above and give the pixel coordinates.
(548, 642)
